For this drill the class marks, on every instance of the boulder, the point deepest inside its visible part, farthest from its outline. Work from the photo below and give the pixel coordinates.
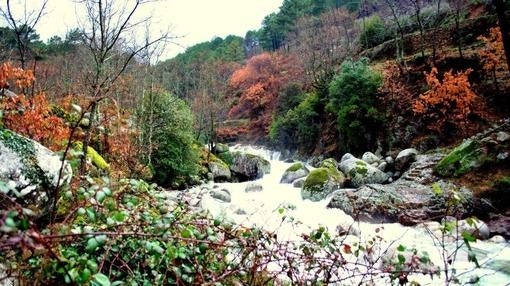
(299, 183)
(405, 158)
(347, 156)
(329, 163)
(222, 195)
(362, 173)
(321, 182)
(294, 172)
(220, 148)
(248, 167)
(370, 158)
(253, 187)
(29, 172)
(220, 171)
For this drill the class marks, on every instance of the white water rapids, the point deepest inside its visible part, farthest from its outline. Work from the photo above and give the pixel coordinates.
(279, 208)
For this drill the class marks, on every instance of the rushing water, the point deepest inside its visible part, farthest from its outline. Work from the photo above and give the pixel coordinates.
(279, 208)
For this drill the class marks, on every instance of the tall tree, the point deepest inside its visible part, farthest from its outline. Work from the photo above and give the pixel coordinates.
(503, 10)
(109, 23)
(23, 28)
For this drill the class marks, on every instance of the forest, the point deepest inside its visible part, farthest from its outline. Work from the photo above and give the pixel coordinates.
(114, 163)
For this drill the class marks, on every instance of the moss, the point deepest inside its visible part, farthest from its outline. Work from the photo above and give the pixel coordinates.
(329, 163)
(316, 179)
(462, 159)
(214, 159)
(92, 154)
(226, 157)
(358, 170)
(295, 167)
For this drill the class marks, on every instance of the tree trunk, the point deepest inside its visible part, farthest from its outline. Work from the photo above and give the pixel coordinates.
(504, 24)
(88, 136)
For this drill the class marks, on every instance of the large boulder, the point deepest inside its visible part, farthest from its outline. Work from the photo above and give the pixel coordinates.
(362, 173)
(30, 172)
(370, 158)
(405, 158)
(220, 148)
(219, 170)
(294, 172)
(321, 182)
(248, 167)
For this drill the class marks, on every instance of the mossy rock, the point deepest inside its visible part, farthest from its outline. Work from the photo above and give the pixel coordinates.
(321, 182)
(220, 148)
(295, 167)
(219, 169)
(466, 157)
(248, 167)
(329, 163)
(361, 173)
(94, 157)
(226, 157)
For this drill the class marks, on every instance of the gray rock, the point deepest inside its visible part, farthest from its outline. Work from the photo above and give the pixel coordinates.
(299, 183)
(221, 148)
(405, 158)
(30, 172)
(382, 166)
(370, 158)
(253, 187)
(502, 136)
(220, 171)
(222, 195)
(361, 173)
(502, 156)
(347, 156)
(296, 171)
(497, 239)
(389, 160)
(248, 167)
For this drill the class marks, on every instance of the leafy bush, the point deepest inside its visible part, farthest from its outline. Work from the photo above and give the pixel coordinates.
(297, 128)
(374, 32)
(166, 125)
(352, 99)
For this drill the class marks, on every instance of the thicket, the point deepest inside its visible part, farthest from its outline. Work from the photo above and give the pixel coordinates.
(352, 97)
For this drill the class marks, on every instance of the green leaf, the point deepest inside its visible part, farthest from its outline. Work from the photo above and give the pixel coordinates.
(100, 279)
(120, 216)
(468, 237)
(92, 244)
(401, 259)
(100, 196)
(186, 233)
(401, 248)
(91, 214)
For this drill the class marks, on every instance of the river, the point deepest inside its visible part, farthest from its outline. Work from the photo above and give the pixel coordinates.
(278, 208)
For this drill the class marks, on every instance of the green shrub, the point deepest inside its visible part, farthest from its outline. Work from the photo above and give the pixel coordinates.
(352, 98)
(166, 122)
(297, 128)
(374, 32)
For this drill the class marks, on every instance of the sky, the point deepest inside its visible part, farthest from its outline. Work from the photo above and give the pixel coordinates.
(192, 21)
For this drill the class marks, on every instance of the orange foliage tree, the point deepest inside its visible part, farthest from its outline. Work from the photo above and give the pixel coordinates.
(450, 100)
(493, 56)
(30, 116)
(258, 85)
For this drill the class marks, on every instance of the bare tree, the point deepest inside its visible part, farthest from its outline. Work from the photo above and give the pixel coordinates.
(503, 11)
(23, 27)
(109, 33)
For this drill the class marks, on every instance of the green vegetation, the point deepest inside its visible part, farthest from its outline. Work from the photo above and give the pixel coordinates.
(374, 32)
(295, 167)
(462, 159)
(297, 127)
(166, 122)
(352, 97)
(316, 180)
(95, 157)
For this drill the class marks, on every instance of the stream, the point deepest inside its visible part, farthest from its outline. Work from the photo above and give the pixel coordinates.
(278, 208)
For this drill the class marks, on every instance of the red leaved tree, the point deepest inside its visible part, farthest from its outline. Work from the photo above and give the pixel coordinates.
(30, 116)
(449, 100)
(258, 85)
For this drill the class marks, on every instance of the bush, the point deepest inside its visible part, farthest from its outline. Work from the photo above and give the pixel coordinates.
(297, 128)
(373, 33)
(352, 99)
(166, 125)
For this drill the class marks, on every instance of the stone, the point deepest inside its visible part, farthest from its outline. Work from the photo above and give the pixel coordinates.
(499, 224)
(222, 195)
(497, 239)
(389, 160)
(294, 172)
(220, 171)
(320, 183)
(30, 172)
(382, 166)
(361, 173)
(253, 187)
(370, 158)
(405, 158)
(502, 136)
(347, 156)
(249, 167)
(502, 156)
(466, 157)
(475, 227)
(329, 163)
(221, 148)
(299, 183)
